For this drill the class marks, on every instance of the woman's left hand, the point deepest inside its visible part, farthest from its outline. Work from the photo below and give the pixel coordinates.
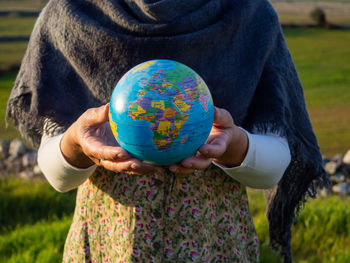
(227, 144)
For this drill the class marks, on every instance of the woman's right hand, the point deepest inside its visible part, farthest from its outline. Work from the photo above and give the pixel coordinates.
(89, 140)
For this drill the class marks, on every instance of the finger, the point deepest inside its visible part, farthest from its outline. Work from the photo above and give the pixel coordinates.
(100, 151)
(121, 166)
(222, 118)
(132, 165)
(197, 161)
(149, 168)
(214, 149)
(179, 169)
(95, 116)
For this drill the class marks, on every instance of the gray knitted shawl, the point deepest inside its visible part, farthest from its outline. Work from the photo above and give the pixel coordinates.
(80, 49)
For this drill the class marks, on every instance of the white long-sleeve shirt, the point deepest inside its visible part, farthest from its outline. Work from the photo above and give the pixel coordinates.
(267, 158)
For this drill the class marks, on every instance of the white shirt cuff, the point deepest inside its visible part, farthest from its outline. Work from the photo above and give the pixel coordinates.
(267, 158)
(61, 175)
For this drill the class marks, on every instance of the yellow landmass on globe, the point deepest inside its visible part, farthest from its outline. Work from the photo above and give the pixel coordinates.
(142, 93)
(160, 143)
(113, 126)
(169, 112)
(178, 125)
(167, 85)
(164, 127)
(158, 104)
(149, 117)
(139, 111)
(181, 105)
(143, 66)
(201, 86)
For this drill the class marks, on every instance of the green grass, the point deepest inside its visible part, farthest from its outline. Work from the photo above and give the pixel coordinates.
(16, 26)
(22, 4)
(34, 199)
(305, 19)
(322, 59)
(11, 54)
(42, 242)
(321, 234)
(34, 221)
(6, 82)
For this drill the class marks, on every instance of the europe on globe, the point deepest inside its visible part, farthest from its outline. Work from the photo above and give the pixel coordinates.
(161, 111)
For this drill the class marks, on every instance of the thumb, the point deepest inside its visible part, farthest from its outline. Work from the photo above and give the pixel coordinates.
(96, 116)
(222, 118)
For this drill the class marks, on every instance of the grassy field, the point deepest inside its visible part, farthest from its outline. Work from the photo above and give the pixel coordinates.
(6, 82)
(34, 219)
(16, 26)
(322, 59)
(30, 5)
(321, 233)
(11, 54)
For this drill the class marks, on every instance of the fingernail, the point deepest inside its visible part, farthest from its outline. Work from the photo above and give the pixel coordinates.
(173, 169)
(122, 156)
(188, 165)
(135, 166)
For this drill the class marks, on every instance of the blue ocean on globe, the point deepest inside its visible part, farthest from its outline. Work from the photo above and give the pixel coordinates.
(161, 112)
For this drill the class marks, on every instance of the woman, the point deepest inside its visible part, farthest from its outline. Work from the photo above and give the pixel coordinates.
(80, 49)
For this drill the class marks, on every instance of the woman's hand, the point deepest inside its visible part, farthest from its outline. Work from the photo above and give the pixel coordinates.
(227, 145)
(90, 141)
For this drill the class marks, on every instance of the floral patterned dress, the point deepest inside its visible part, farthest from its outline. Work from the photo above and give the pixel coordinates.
(203, 217)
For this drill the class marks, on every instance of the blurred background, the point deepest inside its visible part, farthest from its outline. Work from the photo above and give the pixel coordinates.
(34, 219)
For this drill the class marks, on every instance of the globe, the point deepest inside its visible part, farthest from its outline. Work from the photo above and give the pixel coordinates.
(161, 112)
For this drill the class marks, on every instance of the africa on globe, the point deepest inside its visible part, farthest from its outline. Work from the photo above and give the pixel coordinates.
(161, 112)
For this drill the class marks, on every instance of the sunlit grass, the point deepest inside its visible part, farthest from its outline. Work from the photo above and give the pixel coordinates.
(41, 243)
(322, 59)
(34, 220)
(30, 5)
(320, 233)
(16, 26)
(6, 82)
(11, 54)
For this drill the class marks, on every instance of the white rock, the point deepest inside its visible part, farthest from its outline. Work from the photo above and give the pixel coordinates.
(338, 158)
(29, 159)
(346, 158)
(331, 167)
(338, 178)
(324, 192)
(37, 170)
(4, 148)
(13, 164)
(17, 148)
(27, 174)
(342, 188)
